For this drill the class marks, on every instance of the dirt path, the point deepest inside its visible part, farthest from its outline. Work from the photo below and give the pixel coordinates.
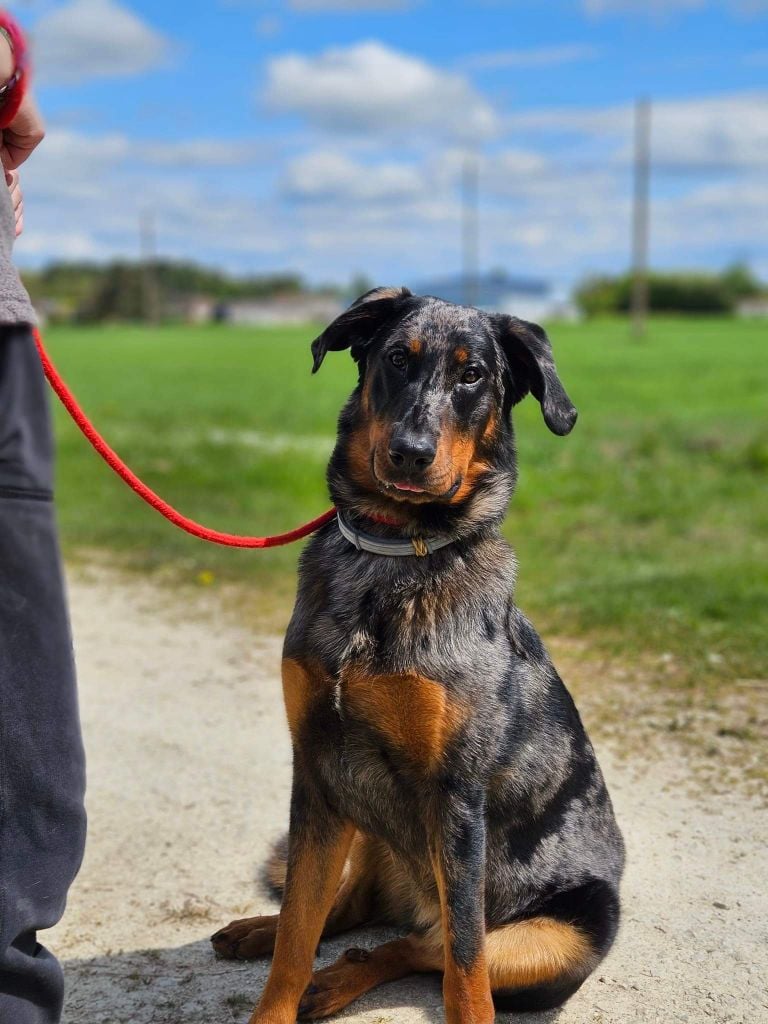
(189, 773)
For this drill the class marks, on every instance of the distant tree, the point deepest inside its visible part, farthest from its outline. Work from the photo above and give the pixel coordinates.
(740, 282)
(118, 295)
(91, 292)
(670, 292)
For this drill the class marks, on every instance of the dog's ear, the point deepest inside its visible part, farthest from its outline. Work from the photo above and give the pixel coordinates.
(356, 327)
(532, 368)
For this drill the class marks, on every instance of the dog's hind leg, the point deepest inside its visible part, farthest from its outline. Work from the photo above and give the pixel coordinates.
(538, 963)
(252, 937)
(533, 965)
(358, 971)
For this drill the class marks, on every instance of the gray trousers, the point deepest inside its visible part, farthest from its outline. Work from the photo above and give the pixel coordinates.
(42, 771)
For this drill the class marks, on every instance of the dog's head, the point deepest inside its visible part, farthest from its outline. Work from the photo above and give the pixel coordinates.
(428, 427)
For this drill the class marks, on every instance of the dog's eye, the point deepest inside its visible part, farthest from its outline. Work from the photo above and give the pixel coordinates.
(398, 360)
(471, 375)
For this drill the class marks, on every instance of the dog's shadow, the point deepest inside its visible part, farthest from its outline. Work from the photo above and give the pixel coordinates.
(188, 985)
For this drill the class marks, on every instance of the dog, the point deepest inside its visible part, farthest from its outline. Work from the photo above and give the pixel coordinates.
(442, 778)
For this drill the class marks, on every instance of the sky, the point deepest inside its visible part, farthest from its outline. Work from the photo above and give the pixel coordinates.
(329, 137)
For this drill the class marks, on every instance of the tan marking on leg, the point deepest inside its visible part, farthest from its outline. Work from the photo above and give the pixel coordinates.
(466, 991)
(313, 877)
(354, 900)
(413, 713)
(358, 971)
(535, 952)
(251, 937)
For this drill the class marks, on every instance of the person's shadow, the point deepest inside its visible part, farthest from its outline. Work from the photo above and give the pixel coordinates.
(188, 985)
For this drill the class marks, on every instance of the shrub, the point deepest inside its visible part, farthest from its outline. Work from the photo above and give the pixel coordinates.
(676, 292)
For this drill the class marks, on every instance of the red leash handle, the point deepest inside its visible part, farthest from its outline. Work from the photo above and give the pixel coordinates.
(17, 87)
(114, 461)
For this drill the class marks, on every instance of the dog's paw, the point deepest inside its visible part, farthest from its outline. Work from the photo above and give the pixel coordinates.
(335, 987)
(246, 939)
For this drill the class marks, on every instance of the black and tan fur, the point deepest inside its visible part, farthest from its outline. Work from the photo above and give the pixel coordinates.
(442, 777)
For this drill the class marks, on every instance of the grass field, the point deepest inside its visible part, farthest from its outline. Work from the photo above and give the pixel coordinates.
(646, 529)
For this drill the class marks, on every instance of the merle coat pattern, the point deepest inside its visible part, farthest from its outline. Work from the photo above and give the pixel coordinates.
(442, 776)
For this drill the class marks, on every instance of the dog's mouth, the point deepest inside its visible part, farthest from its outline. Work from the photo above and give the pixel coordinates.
(406, 487)
(405, 490)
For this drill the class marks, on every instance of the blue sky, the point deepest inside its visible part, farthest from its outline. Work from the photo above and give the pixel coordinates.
(328, 136)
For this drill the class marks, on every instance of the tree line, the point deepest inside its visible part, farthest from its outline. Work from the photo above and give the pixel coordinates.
(672, 292)
(121, 290)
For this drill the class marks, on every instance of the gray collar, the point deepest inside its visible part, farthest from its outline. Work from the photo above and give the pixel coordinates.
(416, 546)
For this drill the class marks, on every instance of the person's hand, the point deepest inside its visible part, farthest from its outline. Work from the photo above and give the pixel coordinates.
(23, 135)
(17, 198)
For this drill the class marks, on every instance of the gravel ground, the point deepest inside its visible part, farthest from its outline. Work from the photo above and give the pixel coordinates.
(189, 780)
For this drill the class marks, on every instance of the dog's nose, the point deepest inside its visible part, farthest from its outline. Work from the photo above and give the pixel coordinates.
(412, 452)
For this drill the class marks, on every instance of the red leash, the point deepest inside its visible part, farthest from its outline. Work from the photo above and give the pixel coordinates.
(8, 110)
(114, 461)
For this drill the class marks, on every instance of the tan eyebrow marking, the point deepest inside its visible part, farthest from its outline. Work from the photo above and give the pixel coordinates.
(461, 355)
(414, 346)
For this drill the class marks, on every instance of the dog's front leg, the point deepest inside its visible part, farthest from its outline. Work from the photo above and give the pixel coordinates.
(458, 858)
(319, 841)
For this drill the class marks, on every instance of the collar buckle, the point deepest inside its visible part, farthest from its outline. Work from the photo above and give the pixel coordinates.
(420, 546)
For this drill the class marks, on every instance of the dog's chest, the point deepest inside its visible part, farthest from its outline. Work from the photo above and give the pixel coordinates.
(396, 691)
(408, 715)
(388, 737)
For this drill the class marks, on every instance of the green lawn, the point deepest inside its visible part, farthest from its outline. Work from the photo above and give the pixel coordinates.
(646, 529)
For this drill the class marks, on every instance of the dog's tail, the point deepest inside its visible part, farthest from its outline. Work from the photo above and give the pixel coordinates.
(274, 869)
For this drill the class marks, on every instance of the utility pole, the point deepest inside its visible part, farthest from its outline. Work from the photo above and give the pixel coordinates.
(470, 249)
(641, 216)
(149, 284)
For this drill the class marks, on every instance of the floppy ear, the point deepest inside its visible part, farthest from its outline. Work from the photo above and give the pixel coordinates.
(532, 368)
(356, 327)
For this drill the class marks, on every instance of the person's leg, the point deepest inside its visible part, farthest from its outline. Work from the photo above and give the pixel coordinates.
(42, 819)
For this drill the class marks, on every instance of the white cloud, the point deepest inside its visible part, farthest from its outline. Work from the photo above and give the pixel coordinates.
(499, 172)
(85, 195)
(324, 175)
(717, 131)
(543, 57)
(87, 39)
(396, 213)
(66, 243)
(714, 215)
(213, 153)
(372, 89)
(720, 131)
(78, 156)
